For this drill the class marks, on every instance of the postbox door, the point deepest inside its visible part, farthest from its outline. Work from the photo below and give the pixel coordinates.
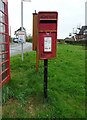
(47, 45)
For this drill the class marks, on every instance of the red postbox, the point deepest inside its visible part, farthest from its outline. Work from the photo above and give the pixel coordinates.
(45, 39)
(47, 34)
(4, 43)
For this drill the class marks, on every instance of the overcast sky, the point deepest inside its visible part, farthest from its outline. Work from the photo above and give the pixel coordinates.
(70, 14)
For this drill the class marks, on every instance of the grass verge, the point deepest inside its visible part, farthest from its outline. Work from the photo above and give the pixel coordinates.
(23, 95)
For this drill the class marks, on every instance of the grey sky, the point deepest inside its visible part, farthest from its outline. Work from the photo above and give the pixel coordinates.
(70, 14)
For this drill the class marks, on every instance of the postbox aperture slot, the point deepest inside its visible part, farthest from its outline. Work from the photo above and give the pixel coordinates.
(47, 44)
(48, 21)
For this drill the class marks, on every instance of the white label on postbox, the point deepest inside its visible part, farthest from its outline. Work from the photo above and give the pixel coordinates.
(47, 44)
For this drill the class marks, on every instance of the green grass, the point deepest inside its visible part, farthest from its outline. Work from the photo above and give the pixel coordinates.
(23, 95)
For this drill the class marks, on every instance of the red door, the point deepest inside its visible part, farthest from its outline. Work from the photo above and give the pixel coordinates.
(4, 43)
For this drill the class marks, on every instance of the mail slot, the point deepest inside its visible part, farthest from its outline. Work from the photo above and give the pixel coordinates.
(47, 34)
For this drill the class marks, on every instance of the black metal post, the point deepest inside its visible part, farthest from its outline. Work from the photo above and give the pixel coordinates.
(45, 77)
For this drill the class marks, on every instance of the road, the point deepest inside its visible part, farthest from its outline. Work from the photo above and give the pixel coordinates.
(15, 48)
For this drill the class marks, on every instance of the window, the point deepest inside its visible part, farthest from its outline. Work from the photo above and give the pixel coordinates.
(2, 38)
(4, 57)
(2, 27)
(3, 47)
(2, 17)
(1, 5)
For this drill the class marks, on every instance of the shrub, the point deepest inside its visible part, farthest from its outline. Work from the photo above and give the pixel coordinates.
(28, 39)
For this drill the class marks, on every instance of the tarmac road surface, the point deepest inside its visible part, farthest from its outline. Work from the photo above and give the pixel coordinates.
(15, 48)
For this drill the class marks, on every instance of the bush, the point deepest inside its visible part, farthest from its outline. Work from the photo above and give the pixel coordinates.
(80, 42)
(28, 39)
